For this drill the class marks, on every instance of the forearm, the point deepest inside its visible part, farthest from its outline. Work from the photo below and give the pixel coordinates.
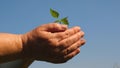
(10, 47)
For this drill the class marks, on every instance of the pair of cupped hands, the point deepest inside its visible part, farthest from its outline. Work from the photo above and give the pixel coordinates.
(55, 43)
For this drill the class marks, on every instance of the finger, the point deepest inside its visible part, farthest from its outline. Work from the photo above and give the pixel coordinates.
(71, 55)
(83, 42)
(54, 27)
(67, 33)
(71, 40)
(75, 46)
(63, 59)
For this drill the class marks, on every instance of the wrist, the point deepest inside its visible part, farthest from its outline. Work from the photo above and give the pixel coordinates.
(26, 50)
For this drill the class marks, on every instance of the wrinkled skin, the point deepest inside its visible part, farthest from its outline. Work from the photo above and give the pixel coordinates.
(53, 43)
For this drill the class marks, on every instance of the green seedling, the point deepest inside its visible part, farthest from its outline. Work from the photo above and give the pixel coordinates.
(55, 15)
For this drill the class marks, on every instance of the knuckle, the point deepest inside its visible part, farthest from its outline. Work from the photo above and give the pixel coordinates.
(81, 34)
(77, 28)
(78, 35)
(61, 36)
(67, 42)
(56, 25)
(65, 52)
(78, 44)
(67, 33)
(54, 43)
(36, 30)
(63, 45)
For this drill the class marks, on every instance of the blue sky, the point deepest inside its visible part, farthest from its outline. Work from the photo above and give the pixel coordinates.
(99, 19)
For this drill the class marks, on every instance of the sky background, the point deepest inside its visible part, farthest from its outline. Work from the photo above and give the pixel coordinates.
(99, 19)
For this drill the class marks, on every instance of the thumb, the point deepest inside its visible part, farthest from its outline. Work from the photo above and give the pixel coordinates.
(55, 27)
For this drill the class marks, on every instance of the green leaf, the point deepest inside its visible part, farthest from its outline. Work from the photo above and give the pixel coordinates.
(54, 13)
(65, 21)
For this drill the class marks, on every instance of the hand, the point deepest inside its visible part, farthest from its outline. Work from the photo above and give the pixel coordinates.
(53, 43)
